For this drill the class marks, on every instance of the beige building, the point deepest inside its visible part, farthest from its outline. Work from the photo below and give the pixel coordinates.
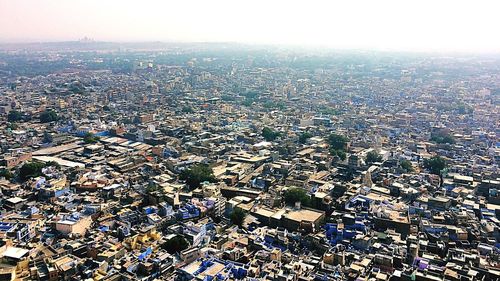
(71, 226)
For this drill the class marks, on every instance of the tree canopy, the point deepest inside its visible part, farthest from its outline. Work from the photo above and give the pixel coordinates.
(338, 142)
(12, 126)
(175, 245)
(372, 157)
(4, 173)
(187, 109)
(52, 163)
(339, 153)
(90, 138)
(47, 137)
(269, 134)
(197, 174)
(271, 104)
(14, 116)
(30, 170)
(435, 164)
(406, 165)
(304, 137)
(48, 116)
(297, 194)
(442, 138)
(237, 216)
(338, 145)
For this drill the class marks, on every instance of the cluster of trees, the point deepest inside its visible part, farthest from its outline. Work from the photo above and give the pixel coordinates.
(284, 150)
(270, 134)
(197, 174)
(373, 157)
(5, 173)
(406, 165)
(48, 116)
(237, 217)
(175, 245)
(304, 137)
(442, 138)
(227, 98)
(153, 188)
(338, 145)
(90, 138)
(297, 194)
(460, 108)
(187, 109)
(14, 116)
(272, 104)
(328, 111)
(247, 102)
(34, 169)
(435, 164)
(12, 126)
(47, 137)
(250, 98)
(464, 109)
(25, 65)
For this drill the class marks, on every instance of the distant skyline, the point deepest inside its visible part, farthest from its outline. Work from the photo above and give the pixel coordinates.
(406, 25)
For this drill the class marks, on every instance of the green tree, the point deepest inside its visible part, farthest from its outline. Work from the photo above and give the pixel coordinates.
(271, 104)
(372, 157)
(282, 150)
(14, 116)
(227, 98)
(90, 138)
(12, 126)
(48, 116)
(175, 245)
(435, 164)
(251, 95)
(442, 138)
(269, 134)
(328, 111)
(152, 187)
(338, 142)
(304, 137)
(237, 217)
(406, 165)
(297, 194)
(247, 102)
(30, 170)
(197, 174)
(464, 109)
(339, 153)
(53, 163)
(187, 109)
(47, 137)
(4, 173)
(76, 88)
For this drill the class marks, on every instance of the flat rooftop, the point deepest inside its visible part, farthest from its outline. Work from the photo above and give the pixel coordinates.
(14, 252)
(56, 149)
(60, 161)
(304, 215)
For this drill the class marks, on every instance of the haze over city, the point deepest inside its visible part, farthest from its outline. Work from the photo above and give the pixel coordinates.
(423, 25)
(234, 140)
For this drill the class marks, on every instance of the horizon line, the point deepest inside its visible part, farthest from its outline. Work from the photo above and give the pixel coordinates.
(316, 47)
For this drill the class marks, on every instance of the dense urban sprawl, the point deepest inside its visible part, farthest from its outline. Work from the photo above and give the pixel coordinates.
(229, 162)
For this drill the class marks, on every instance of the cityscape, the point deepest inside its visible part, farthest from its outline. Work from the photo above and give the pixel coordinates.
(217, 161)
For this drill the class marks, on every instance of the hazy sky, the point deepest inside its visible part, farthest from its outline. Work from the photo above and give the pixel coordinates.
(382, 24)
